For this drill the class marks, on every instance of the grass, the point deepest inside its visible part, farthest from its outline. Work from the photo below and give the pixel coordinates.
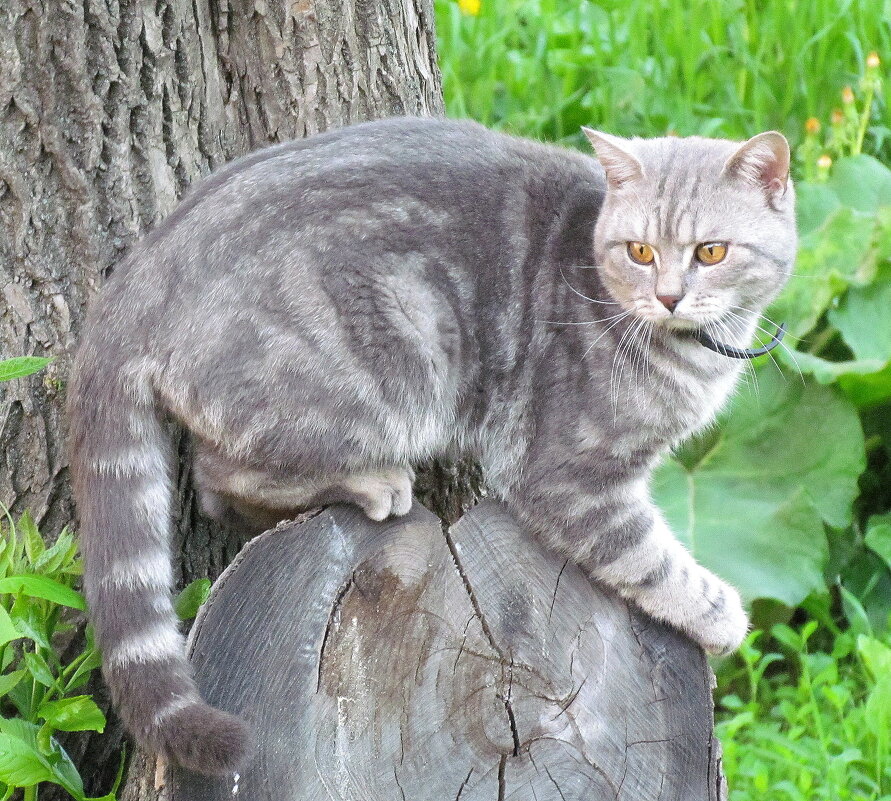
(711, 67)
(816, 720)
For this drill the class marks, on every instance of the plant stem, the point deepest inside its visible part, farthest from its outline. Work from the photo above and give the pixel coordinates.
(864, 119)
(30, 793)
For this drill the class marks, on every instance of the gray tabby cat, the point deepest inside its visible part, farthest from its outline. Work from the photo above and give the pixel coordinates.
(325, 313)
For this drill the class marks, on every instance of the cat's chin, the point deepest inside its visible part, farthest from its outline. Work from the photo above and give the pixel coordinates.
(679, 324)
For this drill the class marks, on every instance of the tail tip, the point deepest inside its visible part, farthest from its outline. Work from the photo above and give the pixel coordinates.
(206, 740)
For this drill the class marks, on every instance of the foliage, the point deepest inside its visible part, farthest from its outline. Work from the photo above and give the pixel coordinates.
(709, 67)
(806, 715)
(43, 663)
(39, 676)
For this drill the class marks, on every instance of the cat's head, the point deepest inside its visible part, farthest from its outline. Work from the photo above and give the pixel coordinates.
(693, 230)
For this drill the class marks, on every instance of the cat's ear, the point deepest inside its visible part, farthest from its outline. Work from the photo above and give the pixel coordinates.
(763, 161)
(619, 164)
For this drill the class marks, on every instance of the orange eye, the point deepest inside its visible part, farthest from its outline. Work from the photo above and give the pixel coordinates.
(641, 253)
(711, 252)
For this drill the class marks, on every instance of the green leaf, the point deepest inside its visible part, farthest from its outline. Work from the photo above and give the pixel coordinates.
(827, 372)
(878, 536)
(864, 320)
(21, 366)
(861, 182)
(39, 669)
(868, 389)
(9, 681)
(54, 760)
(21, 764)
(813, 205)
(8, 631)
(752, 506)
(830, 258)
(79, 713)
(55, 557)
(84, 669)
(190, 599)
(42, 587)
(34, 545)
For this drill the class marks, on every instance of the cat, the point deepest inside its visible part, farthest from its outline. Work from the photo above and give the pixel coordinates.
(323, 314)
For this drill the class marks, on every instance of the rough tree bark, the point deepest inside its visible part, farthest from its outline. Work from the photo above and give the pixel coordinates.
(109, 110)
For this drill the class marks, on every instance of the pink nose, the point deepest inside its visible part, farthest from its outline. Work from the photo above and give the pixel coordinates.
(669, 301)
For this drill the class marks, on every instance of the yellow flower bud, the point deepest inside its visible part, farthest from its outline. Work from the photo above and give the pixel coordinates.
(812, 126)
(872, 60)
(471, 7)
(824, 162)
(847, 95)
(837, 117)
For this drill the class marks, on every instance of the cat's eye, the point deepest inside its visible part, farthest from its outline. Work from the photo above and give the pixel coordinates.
(711, 252)
(641, 253)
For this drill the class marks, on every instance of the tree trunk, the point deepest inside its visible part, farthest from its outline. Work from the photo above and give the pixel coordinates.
(405, 659)
(109, 111)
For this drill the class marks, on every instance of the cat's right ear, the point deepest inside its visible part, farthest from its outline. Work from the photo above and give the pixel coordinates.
(619, 164)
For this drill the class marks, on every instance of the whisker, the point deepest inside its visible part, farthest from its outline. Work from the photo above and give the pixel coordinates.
(619, 362)
(585, 322)
(605, 332)
(770, 336)
(590, 300)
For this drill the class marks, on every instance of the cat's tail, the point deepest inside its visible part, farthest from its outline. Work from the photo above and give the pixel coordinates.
(122, 478)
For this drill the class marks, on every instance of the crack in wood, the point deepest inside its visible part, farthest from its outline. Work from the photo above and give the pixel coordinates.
(335, 609)
(502, 784)
(464, 784)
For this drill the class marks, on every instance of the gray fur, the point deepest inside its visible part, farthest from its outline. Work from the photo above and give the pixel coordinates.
(326, 313)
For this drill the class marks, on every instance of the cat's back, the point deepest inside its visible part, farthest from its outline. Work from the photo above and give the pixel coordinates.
(412, 159)
(399, 184)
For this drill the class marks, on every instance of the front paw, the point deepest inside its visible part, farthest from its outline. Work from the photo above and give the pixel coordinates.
(722, 627)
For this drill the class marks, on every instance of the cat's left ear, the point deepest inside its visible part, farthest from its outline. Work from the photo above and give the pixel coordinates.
(618, 163)
(763, 161)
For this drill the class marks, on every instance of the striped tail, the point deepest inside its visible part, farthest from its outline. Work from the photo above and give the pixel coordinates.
(122, 477)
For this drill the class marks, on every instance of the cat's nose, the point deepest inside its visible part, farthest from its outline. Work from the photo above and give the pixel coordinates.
(669, 301)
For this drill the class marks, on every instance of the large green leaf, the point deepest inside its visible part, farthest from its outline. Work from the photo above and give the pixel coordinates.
(42, 587)
(867, 390)
(864, 318)
(827, 372)
(813, 204)
(752, 499)
(861, 182)
(878, 536)
(830, 258)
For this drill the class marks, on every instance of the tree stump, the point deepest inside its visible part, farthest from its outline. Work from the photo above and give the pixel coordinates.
(411, 660)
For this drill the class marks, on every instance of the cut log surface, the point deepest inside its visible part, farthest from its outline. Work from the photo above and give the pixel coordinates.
(407, 660)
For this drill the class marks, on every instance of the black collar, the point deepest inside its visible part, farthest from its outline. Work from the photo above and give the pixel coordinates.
(736, 353)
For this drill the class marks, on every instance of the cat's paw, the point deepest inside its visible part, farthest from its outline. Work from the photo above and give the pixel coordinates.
(382, 494)
(723, 626)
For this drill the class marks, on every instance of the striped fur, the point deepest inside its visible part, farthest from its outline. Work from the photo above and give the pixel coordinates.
(323, 314)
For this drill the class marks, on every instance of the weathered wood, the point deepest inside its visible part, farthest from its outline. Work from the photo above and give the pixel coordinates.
(410, 660)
